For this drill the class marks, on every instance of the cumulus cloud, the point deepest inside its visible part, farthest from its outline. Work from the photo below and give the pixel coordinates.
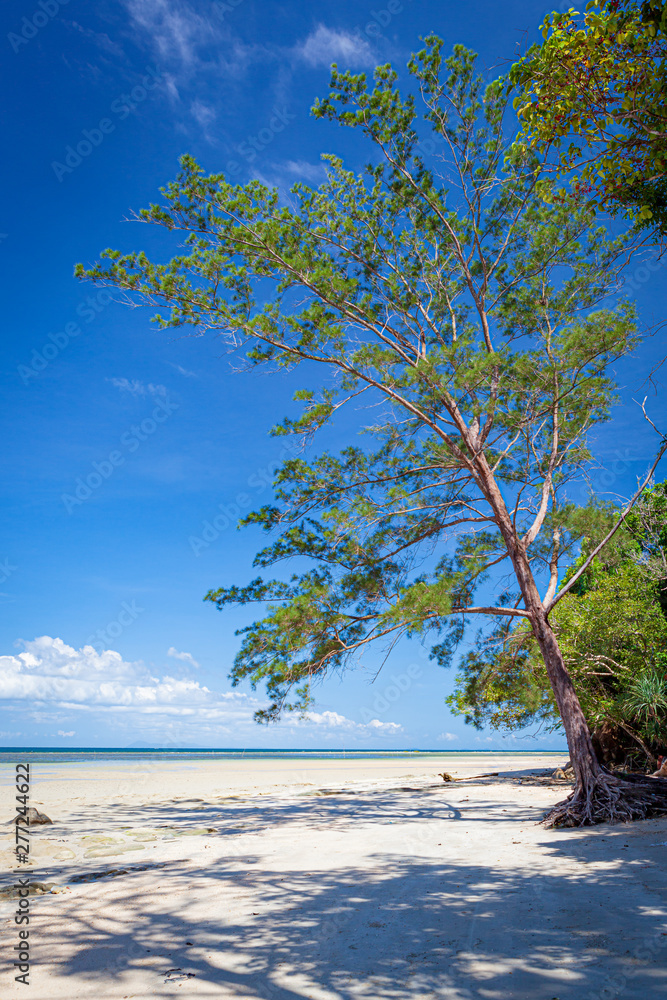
(51, 671)
(137, 388)
(385, 727)
(325, 45)
(186, 657)
(447, 737)
(333, 720)
(49, 677)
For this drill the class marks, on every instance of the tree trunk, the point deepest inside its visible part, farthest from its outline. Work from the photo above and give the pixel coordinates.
(587, 770)
(584, 761)
(598, 796)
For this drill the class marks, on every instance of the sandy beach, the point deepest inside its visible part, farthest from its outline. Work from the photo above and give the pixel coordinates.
(331, 880)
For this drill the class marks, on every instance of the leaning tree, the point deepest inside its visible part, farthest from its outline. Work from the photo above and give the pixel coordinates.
(612, 631)
(438, 288)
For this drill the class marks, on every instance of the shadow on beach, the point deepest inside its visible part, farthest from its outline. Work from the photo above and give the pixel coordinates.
(320, 807)
(586, 921)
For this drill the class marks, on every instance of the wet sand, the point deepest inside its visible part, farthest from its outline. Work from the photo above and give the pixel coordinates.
(332, 880)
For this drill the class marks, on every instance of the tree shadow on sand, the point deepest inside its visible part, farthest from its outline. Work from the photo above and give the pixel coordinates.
(330, 807)
(590, 922)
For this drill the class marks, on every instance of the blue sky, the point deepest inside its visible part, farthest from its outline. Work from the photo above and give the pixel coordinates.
(105, 638)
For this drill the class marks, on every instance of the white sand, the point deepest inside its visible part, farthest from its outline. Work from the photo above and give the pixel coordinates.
(391, 886)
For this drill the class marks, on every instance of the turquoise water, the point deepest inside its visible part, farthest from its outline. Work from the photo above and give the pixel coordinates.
(50, 755)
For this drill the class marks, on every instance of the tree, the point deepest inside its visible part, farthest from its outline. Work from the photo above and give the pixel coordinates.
(594, 94)
(467, 318)
(612, 630)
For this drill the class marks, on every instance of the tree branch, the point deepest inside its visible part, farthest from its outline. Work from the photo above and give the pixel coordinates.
(610, 534)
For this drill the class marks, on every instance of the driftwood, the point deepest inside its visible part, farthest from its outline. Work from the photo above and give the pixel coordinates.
(471, 777)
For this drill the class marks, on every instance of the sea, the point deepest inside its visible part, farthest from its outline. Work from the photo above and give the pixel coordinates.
(87, 755)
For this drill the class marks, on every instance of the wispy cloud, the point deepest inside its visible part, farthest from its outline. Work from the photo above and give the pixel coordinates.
(176, 30)
(70, 733)
(200, 60)
(326, 45)
(186, 657)
(99, 39)
(447, 737)
(183, 371)
(137, 388)
(188, 43)
(302, 170)
(202, 113)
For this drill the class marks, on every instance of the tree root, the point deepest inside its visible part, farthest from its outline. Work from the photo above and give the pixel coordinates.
(610, 798)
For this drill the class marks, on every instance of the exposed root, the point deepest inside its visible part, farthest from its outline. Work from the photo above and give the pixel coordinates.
(611, 798)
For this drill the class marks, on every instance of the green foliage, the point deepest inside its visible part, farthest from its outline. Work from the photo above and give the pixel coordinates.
(612, 631)
(594, 94)
(646, 701)
(450, 299)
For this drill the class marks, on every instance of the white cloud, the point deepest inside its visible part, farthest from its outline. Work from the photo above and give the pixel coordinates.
(189, 44)
(186, 657)
(326, 719)
(49, 678)
(304, 171)
(137, 388)
(175, 29)
(183, 371)
(51, 671)
(447, 737)
(385, 727)
(325, 45)
(102, 41)
(333, 720)
(202, 113)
